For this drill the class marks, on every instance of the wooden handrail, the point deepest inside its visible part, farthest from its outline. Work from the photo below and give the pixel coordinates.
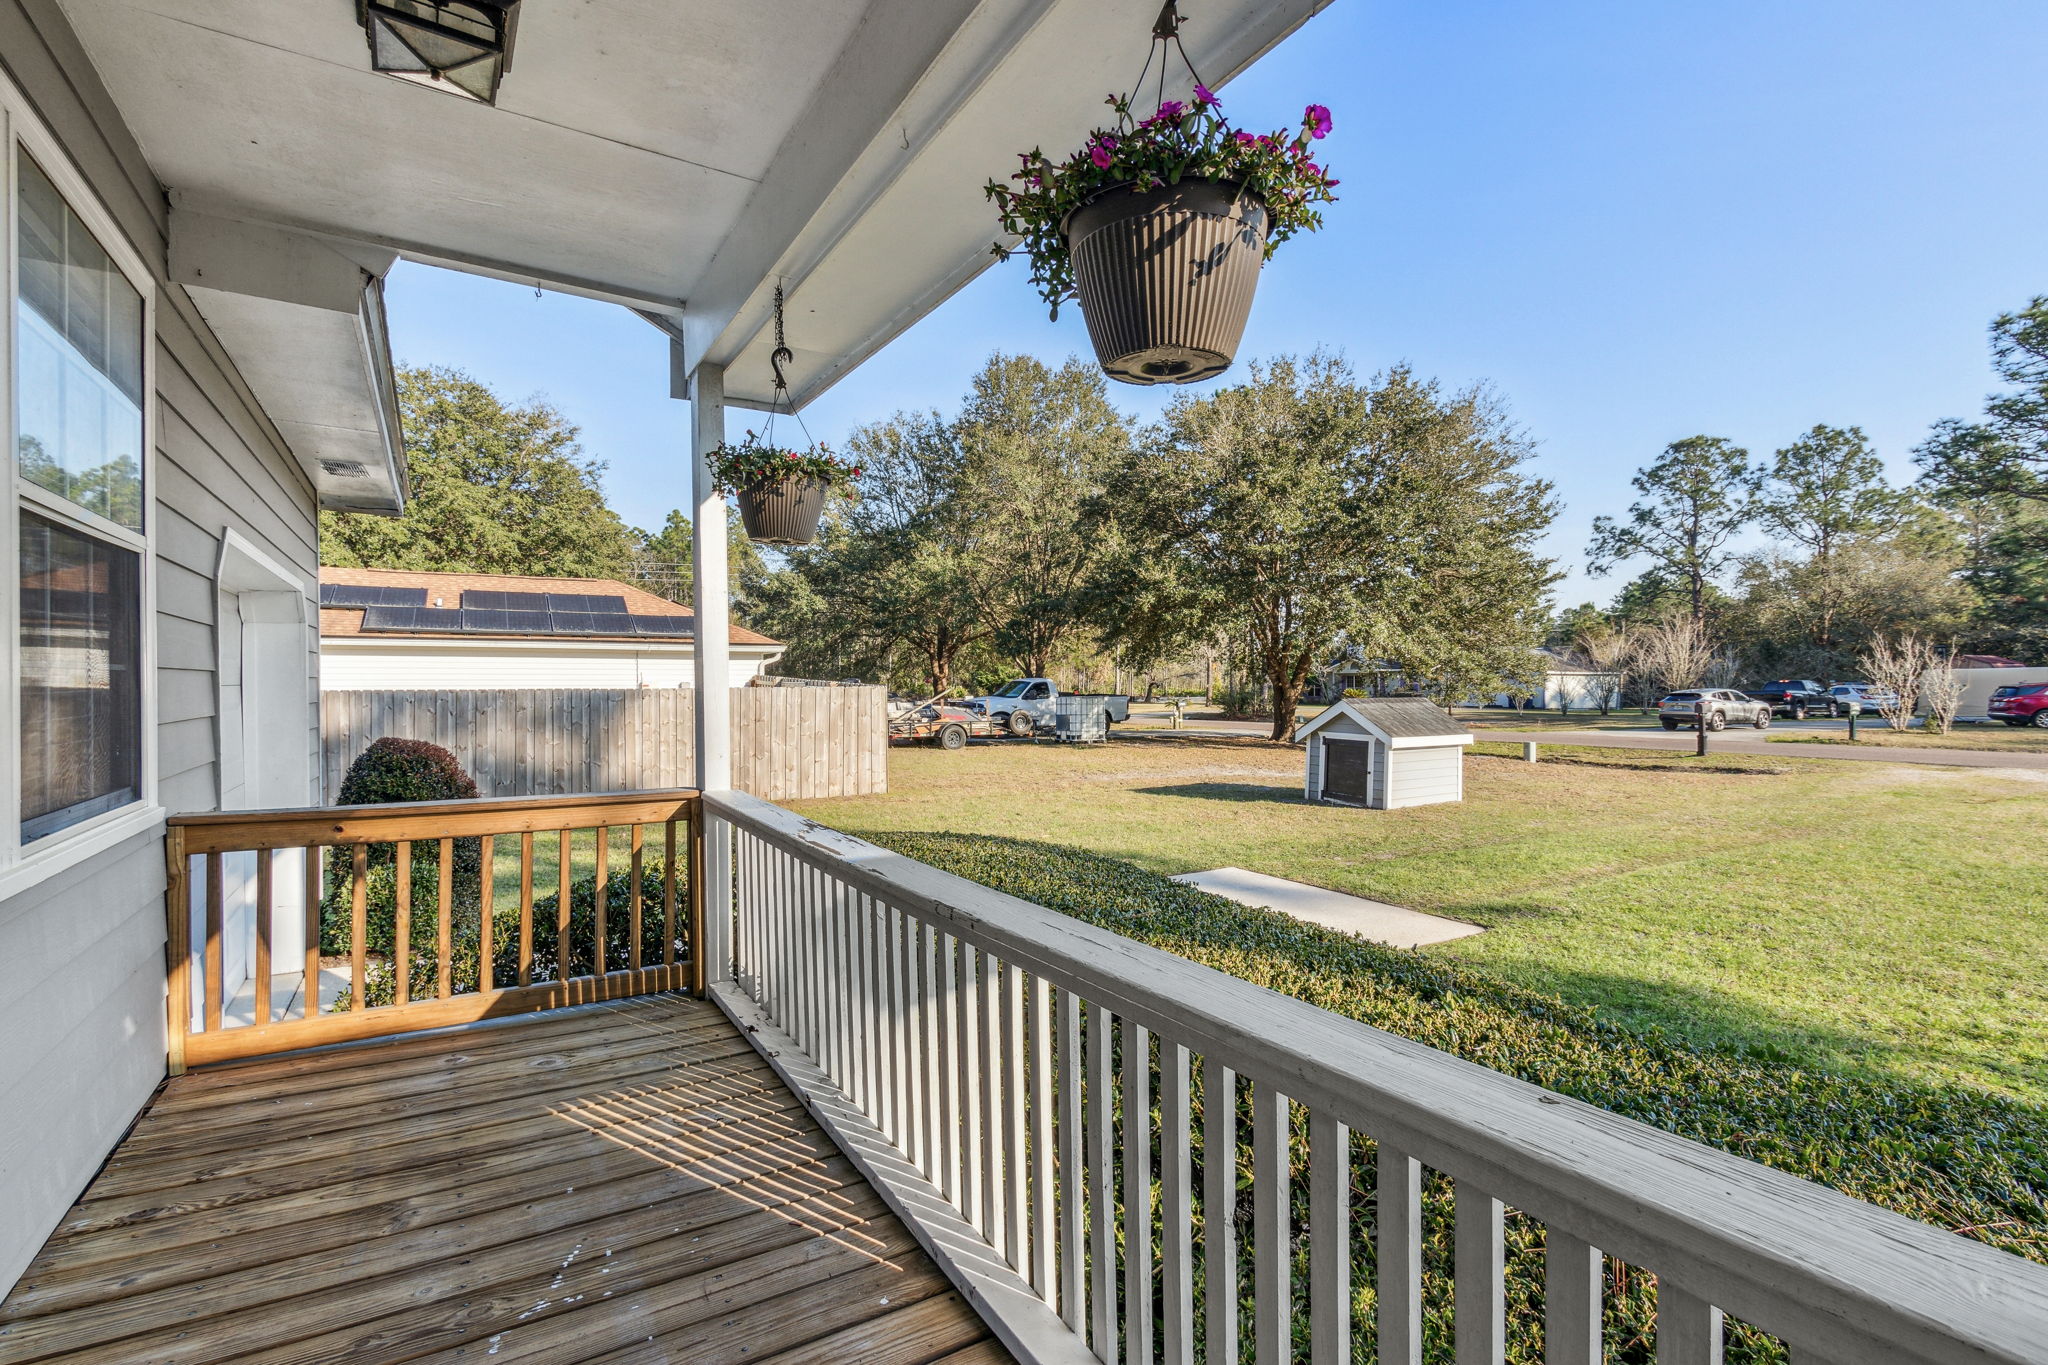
(204, 852)
(921, 956)
(244, 831)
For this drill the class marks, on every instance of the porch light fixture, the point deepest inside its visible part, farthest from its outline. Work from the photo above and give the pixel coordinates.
(461, 46)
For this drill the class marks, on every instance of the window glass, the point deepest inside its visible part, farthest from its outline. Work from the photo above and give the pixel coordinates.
(81, 685)
(78, 360)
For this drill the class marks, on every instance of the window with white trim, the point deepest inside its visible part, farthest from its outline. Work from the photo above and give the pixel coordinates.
(78, 376)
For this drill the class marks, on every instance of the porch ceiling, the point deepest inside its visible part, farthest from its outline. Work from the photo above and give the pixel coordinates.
(679, 156)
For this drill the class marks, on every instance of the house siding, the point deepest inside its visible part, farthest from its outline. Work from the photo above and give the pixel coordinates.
(350, 664)
(1420, 777)
(81, 952)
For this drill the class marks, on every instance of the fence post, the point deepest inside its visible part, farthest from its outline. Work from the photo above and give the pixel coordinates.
(1529, 752)
(177, 950)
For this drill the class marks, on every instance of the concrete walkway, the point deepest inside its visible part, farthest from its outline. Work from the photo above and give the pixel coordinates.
(1376, 920)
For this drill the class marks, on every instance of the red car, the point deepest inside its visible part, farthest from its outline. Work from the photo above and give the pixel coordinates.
(2024, 704)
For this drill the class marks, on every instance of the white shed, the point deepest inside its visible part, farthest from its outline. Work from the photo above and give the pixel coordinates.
(1385, 753)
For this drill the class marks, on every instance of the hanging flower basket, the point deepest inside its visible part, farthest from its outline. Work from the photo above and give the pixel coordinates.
(781, 492)
(1166, 276)
(1159, 227)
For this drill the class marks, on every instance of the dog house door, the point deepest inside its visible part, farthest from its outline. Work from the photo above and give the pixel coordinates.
(1347, 770)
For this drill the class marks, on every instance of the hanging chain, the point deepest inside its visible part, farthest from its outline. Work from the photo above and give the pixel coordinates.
(777, 358)
(1165, 30)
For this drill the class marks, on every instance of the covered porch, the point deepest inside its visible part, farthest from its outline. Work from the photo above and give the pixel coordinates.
(873, 1111)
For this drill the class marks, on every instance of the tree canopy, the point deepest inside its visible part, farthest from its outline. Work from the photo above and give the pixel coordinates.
(1696, 499)
(1303, 504)
(496, 488)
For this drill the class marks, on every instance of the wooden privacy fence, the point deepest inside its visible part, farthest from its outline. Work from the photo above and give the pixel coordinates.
(407, 897)
(788, 743)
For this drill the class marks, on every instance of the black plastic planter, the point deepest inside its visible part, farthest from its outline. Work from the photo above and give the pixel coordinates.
(784, 512)
(1166, 277)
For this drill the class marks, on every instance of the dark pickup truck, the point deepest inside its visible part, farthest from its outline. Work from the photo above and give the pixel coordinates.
(1796, 698)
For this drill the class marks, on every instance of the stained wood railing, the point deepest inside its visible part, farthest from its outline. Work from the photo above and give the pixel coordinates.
(1118, 1154)
(403, 901)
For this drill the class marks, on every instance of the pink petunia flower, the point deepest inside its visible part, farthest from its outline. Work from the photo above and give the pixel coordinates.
(1172, 109)
(1246, 138)
(1317, 117)
(1202, 96)
(1099, 154)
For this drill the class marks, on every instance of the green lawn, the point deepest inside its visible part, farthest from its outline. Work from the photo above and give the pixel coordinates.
(1874, 919)
(1982, 737)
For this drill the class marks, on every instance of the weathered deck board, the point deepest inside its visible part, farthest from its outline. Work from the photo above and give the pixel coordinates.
(620, 1183)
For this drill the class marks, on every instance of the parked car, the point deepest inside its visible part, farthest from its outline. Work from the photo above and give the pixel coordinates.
(1872, 698)
(1028, 703)
(1723, 708)
(1796, 698)
(2023, 704)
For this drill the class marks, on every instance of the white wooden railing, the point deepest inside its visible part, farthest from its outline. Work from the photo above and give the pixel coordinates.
(1027, 1091)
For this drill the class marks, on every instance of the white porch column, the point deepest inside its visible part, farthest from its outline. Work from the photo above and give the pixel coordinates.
(707, 552)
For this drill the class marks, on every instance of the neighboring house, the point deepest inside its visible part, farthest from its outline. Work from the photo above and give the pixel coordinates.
(1562, 679)
(393, 629)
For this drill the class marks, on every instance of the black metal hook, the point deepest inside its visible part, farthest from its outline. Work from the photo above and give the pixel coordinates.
(781, 356)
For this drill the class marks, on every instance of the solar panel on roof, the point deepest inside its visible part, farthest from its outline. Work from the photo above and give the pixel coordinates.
(437, 618)
(491, 599)
(369, 595)
(485, 622)
(572, 622)
(527, 622)
(389, 618)
(664, 625)
(585, 602)
(613, 623)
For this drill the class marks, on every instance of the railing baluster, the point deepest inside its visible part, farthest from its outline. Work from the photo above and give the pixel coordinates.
(635, 893)
(1329, 1232)
(604, 848)
(989, 1036)
(1100, 1119)
(1688, 1327)
(1272, 1248)
(869, 1042)
(309, 984)
(910, 1115)
(526, 908)
(1399, 1282)
(565, 873)
(263, 912)
(668, 901)
(216, 915)
(177, 948)
(1073, 1190)
(401, 922)
(930, 1065)
(1016, 1161)
(1043, 1239)
(949, 1068)
(1480, 1304)
(1219, 1211)
(358, 925)
(445, 940)
(973, 1181)
(486, 928)
(1176, 1208)
(1571, 1300)
(1137, 1078)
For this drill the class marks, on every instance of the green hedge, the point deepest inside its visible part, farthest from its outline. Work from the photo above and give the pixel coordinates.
(1954, 1158)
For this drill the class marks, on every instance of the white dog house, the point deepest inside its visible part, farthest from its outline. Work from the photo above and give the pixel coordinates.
(1385, 753)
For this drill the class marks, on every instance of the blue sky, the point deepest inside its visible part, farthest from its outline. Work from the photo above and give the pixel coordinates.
(1636, 221)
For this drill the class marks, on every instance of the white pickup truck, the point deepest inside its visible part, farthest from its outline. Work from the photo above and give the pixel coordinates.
(1030, 703)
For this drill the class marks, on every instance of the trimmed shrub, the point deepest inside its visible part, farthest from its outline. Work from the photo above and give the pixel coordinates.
(391, 771)
(1958, 1159)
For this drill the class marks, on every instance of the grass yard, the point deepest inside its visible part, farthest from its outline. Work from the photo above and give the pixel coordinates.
(1877, 920)
(2002, 738)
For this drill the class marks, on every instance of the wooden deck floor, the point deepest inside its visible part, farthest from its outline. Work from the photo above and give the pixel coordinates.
(625, 1183)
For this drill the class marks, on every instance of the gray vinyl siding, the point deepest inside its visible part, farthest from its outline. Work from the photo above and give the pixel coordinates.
(1418, 777)
(81, 953)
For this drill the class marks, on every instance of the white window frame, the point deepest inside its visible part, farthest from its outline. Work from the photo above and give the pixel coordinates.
(23, 865)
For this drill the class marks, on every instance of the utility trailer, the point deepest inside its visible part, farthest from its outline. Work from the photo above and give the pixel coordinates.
(933, 721)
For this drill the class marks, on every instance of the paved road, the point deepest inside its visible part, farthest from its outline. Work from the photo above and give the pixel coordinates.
(1725, 742)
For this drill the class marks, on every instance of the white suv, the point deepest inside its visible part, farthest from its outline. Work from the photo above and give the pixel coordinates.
(1723, 708)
